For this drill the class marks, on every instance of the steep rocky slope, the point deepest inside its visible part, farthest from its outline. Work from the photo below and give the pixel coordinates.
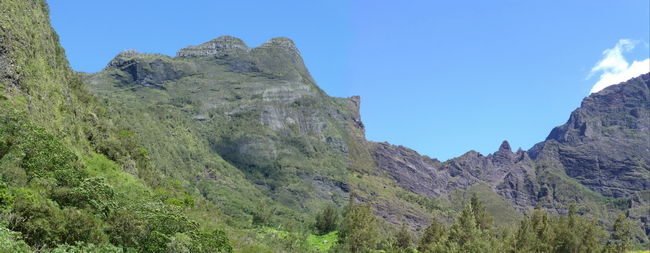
(605, 144)
(505, 172)
(258, 109)
(605, 148)
(597, 160)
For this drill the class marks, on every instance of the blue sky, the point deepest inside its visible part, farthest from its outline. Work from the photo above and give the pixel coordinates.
(441, 77)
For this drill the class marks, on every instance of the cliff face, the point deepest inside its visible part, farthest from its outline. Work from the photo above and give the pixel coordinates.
(597, 160)
(508, 174)
(605, 144)
(258, 109)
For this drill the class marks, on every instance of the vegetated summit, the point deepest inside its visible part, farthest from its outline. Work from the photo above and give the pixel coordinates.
(260, 110)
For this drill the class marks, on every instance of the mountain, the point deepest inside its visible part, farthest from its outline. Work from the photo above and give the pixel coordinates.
(259, 110)
(226, 147)
(597, 160)
(605, 145)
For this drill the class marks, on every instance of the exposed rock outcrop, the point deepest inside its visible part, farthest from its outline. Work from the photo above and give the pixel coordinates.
(219, 45)
(605, 144)
(257, 108)
(507, 173)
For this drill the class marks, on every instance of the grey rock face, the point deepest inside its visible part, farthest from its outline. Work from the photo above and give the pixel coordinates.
(507, 173)
(257, 108)
(218, 45)
(605, 144)
(146, 74)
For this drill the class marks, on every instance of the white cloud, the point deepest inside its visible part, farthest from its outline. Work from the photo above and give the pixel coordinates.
(615, 68)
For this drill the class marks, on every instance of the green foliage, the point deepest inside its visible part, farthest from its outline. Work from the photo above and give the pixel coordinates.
(264, 214)
(11, 241)
(403, 237)
(577, 234)
(433, 236)
(483, 219)
(6, 198)
(327, 220)
(571, 233)
(621, 236)
(44, 224)
(359, 232)
(94, 194)
(81, 247)
(154, 242)
(468, 236)
(211, 241)
(167, 219)
(543, 230)
(126, 229)
(46, 157)
(37, 152)
(323, 242)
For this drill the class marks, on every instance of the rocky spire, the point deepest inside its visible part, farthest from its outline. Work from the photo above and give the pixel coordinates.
(505, 146)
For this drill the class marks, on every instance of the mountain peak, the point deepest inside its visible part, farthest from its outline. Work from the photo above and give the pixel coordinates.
(505, 146)
(221, 44)
(282, 42)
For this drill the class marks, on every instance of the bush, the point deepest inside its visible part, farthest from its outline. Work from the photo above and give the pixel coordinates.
(327, 220)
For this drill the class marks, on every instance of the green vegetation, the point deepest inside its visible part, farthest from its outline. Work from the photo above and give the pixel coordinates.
(64, 165)
(473, 231)
(327, 220)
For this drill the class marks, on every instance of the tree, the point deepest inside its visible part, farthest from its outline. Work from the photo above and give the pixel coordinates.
(435, 233)
(468, 235)
(126, 229)
(264, 214)
(577, 234)
(483, 219)
(11, 241)
(211, 241)
(359, 231)
(621, 234)
(524, 239)
(327, 220)
(403, 237)
(464, 228)
(543, 229)
(179, 243)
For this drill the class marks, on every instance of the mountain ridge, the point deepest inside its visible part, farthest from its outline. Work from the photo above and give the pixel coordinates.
(511, 175)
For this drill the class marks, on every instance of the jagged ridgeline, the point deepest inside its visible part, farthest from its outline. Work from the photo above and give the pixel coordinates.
(234, 123)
